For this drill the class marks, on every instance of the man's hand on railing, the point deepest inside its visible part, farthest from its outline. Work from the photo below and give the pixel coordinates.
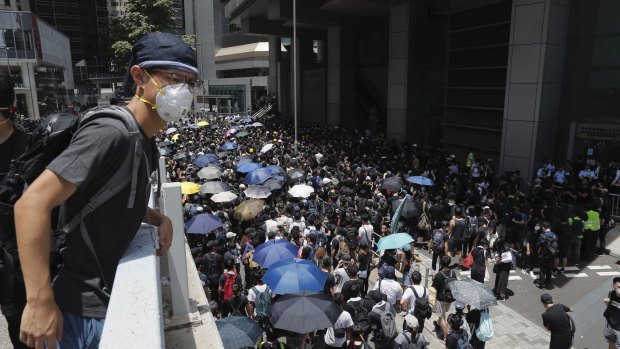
(164, 229)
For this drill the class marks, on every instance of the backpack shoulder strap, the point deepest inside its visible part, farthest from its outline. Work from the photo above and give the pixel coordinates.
(414, 292)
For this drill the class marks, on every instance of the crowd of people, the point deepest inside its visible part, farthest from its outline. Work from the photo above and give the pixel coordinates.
(502, 222)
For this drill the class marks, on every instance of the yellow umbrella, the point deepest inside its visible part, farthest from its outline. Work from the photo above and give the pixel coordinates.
(189, 188)
(175, 137)
(202, 123)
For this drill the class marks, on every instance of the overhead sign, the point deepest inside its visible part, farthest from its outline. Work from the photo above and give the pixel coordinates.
(603, 132)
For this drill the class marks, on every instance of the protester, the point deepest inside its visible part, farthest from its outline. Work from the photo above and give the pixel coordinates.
(558, 322)
(411, 334)
(611, 331)
(443, 298)
(410, 299)
(390, 287)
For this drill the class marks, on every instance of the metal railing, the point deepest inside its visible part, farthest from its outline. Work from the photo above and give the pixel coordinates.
(615, 205)
(262, 111)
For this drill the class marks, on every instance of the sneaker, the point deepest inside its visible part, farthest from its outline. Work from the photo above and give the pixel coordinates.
(500, 298)
(561, 271)
(523, 271)
(532, 274)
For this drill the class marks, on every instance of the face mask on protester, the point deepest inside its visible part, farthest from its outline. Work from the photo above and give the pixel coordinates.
(537, 228)
(618, 291)
(172, 101)
(450, 203)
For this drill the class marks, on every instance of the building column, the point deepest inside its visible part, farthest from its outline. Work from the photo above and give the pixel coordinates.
(398, 70)
(340, 75)
(533, 84)
(274, 61)
(32, 101)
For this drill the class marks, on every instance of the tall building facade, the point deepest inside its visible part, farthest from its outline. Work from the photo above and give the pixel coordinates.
(514, 81)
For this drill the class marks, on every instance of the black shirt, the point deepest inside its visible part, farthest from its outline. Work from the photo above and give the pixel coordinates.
(556, 319)
(95, 153)
(613, 311)
(452, 340)
(12, 148)
(439, 281)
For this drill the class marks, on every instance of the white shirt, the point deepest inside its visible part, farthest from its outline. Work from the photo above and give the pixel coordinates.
(410, 297)
(270, 223)
(308, 230)
(341, 277)
(252, 295)
(391, 289)
(344, 321)
(366, 230)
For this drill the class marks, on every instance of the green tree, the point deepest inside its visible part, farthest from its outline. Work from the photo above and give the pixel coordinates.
(141, 17)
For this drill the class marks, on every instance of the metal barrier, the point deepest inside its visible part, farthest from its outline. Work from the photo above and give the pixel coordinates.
(615, 205)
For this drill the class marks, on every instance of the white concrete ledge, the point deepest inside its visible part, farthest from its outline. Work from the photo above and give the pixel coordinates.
(134, 317)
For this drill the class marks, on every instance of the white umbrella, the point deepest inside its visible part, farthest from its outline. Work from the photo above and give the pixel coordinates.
(224, 196)
(171, 130)
(326, 181)
(257, 124)
(301, 190)
(257, 192)
(267, 147)
(210, 172)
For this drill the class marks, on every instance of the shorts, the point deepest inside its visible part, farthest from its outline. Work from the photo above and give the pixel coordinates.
(611, 335)
(454, 244)
(443, 308)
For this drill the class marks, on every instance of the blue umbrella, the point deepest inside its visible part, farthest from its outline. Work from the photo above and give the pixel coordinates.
(294, 275)
(238, 332)
(250, 166)
(394, 241)
(257, 176)
(247, 120)
(275, 169)
(229, 146)
(235, 128)
(274, 251)
(193, 126)
(202, 224)
(421, 180)
(204, 160)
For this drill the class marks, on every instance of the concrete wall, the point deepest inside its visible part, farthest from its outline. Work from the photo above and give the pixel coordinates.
(314, 98)
(535, 64)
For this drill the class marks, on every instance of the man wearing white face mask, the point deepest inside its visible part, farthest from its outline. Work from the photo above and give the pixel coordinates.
(73, 309)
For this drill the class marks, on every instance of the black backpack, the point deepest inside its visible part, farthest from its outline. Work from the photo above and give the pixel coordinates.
(213, 270)
(446, 292)
(49, 139)
(422, 308)
(360, 316)
(550, 248)
(351, 239)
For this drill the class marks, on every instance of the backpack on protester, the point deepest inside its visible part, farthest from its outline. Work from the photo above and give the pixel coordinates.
(351, 239)
(550, 248)
(360, 316)
(321, 238)
(438, 243)
(381, 269)
(388, 324)
(472, 226)
(410, 344)
(261, 303)
(485, 331)
(343, 248)
(446, 292)
(212, 271)
(422, 306)
(424, 223)
(236, 311)
(463, 341)
(230, 280)
(48, 140)
(313, 207)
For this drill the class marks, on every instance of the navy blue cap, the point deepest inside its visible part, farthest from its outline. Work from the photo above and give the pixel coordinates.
(160, 50)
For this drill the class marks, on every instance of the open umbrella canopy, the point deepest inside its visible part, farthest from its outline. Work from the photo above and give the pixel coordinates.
(165, 151)
(294, 275)
(175, 137)
(210, 173)
(421, 180)
(202, 123)
(193, 126)
(248, 167)
(257, 176)
(225, 196)
(273, 251)
(164, 143)
(214, 187)
(275, 169)
(179, 156)
(204, 160)
(229, 146)
(203, 224)
(189, 188)
(304, 312)
(472, 292)
(241, 134)
(267, 147)
(246, 120)
(238, 332)
(409, 209)
(301, 191)
(394, 241)
(296, 175)
(243, 160)
(257, 124)
(273, 184)
(392, 183)
(257, 192)
(248, 209)
(171, 130)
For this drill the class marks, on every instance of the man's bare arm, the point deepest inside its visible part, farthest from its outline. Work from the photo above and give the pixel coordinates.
(41, 319)
(164, 225)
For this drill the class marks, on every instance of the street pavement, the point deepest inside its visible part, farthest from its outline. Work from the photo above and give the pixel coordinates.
(5, 342)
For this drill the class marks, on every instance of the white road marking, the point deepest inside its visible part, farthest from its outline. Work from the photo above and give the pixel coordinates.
(599, 267)
(608, 273)
(580, 275)
(514, 277)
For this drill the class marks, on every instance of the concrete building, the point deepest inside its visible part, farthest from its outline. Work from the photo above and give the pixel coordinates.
(39, 59)
(233, 64)
(516, 81)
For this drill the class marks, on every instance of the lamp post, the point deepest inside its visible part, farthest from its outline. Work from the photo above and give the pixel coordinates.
(295, 69)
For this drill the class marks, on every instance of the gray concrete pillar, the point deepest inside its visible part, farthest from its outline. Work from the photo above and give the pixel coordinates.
(274, 59)
(398, 71)
(533, 84)
(340, 75)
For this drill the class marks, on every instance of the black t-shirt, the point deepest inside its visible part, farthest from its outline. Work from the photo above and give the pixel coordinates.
(212, 265)
(439, 282)
(613, 311)
(346, 288)
(278, 345)
(559, 324)
(95, 153)
(452, 340)
(237, 303)
(330, 282)
(12, 148)
(436, 212)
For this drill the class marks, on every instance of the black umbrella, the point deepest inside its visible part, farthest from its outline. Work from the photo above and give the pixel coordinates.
(273, 184)
(179, 156)
(304, 312)
(164, 144)
(165, 151)
(296, 175)
(409, 209)
(392, 183)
